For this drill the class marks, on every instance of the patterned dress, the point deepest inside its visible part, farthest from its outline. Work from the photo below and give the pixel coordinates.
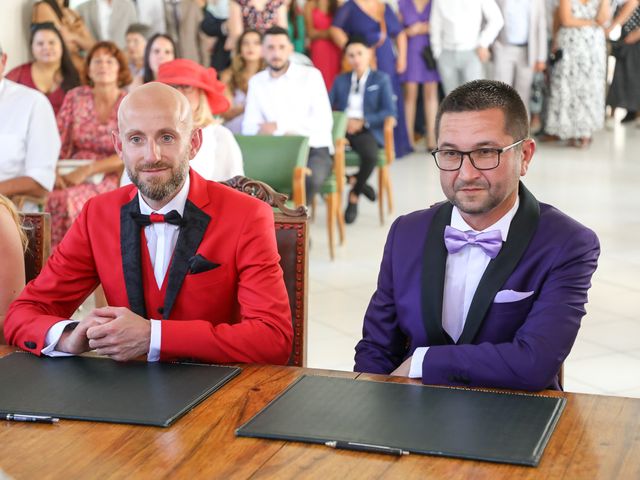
(259, 20)
(83, 137)
(577, 96)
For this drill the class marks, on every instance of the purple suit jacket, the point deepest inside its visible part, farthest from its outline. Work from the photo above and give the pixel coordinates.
(516, 345)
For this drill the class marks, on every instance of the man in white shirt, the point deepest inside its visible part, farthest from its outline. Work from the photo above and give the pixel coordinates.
(521, 48)
(190, 268)
(290, 99)
(461, 32)
(488, 288)
(29, 140)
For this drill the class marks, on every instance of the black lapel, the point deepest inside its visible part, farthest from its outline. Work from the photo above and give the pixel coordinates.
(434, 260)
(522, 229)
(189, 238)
(131, 262)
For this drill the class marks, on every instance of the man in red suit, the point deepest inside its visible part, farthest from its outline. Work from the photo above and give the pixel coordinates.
(189, 267)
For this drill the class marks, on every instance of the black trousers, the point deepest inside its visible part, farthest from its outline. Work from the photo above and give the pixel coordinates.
(320, 163)
(365, 145)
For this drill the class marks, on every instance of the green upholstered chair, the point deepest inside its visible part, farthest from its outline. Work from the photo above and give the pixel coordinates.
(278, 161)
(386, 156)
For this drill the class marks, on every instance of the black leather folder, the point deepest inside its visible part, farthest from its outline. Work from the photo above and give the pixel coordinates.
(102, 390)
(464, 423)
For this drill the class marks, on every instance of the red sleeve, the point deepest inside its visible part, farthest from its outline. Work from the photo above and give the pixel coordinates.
(264, 333)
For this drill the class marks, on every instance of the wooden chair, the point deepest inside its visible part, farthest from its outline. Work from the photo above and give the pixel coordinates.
(386, 156)
(37, 226)
(20, 200)
(278, 161)
(292, 239)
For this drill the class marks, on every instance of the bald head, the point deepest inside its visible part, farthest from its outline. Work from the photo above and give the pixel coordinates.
(156, 140)
(156, 97)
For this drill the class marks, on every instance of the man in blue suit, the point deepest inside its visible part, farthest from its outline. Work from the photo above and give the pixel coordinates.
(367, 98)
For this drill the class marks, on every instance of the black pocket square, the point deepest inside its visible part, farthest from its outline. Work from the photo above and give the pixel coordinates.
(199, 264)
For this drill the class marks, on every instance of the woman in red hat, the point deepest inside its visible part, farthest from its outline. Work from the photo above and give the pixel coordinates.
(219, 157)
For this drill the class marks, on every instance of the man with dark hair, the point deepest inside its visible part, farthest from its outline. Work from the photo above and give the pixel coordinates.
(366, 96)
(488, 288)
(291, 99)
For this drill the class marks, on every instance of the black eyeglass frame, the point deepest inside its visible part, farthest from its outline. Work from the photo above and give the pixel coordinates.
(462, 154)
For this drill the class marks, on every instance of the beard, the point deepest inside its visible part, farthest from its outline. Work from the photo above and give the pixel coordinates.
(277, 68)
(157, 189)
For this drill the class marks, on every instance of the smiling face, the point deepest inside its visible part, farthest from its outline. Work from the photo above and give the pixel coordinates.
(482, 196)
(46, 47)
(155, 139)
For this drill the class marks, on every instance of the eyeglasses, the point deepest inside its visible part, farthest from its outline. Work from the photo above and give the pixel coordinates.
(481, 158)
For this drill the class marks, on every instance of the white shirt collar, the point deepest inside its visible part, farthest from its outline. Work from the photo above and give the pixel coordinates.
(176, 203)
(503, 224)
(363, 79)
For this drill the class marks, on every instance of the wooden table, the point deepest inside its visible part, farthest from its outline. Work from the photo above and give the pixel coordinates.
(597, 437)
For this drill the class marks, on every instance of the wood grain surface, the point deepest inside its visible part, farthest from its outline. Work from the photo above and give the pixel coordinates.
(596, 437)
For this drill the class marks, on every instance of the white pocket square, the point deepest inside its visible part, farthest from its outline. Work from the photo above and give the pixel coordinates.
(371, 88)
(507, 296)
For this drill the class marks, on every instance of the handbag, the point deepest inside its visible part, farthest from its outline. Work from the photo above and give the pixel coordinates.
(429, 59)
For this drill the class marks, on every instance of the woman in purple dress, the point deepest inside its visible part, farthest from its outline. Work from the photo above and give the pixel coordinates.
(377, 24)
(414, 17)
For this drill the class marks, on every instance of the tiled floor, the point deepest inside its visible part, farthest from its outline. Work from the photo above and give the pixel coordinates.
(598, 186)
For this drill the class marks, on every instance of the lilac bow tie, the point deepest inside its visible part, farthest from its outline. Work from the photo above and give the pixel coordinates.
(489, 242)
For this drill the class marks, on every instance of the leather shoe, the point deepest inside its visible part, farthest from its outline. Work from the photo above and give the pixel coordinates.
(351, 213)
(369, 192)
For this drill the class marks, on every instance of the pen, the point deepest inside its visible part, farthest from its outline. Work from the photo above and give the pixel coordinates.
(18, 417)
(365, 447)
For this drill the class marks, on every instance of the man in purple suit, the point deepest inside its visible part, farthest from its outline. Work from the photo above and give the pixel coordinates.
(487, 289)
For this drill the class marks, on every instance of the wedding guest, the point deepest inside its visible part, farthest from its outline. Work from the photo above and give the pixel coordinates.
(86, 120)
(51, 72)
(160, 48)
(69, 23)
(414, 17)
(245, 64)
(137, 35)
(325, 55)
(378, 24)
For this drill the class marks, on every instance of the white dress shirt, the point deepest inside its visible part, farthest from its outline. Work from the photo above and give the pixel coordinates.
(297, 101)
(29, 138)
(355, 101)
(151, 12)
(462, 25)
(516, 21)
(463, 272)
(161, 241)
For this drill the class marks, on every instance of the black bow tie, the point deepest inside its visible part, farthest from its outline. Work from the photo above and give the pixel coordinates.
(173, 217)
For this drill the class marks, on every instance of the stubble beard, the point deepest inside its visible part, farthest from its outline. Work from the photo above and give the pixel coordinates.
(158, 190)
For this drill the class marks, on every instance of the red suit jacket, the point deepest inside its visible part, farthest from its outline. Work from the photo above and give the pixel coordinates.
(235, 311)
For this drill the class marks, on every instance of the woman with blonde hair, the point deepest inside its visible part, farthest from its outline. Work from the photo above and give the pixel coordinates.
(13, 241)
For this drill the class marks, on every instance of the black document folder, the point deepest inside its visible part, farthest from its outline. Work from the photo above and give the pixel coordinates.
(473, 424)
(102, 390)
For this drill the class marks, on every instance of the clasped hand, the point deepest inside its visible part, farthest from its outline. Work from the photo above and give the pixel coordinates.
(115, 332)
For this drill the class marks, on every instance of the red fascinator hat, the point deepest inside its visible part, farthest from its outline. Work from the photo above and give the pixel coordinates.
(183, 71)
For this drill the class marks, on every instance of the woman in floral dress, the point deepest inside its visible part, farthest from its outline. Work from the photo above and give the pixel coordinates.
(86, 120)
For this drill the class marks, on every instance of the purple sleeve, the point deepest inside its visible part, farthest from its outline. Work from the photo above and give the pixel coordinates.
(393, 24)
(341, 18)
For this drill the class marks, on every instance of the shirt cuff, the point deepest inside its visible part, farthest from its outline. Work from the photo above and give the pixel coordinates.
(53, 337)
(155, 341)
(415, 371)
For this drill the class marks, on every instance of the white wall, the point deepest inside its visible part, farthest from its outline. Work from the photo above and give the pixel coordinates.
(14, 30)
